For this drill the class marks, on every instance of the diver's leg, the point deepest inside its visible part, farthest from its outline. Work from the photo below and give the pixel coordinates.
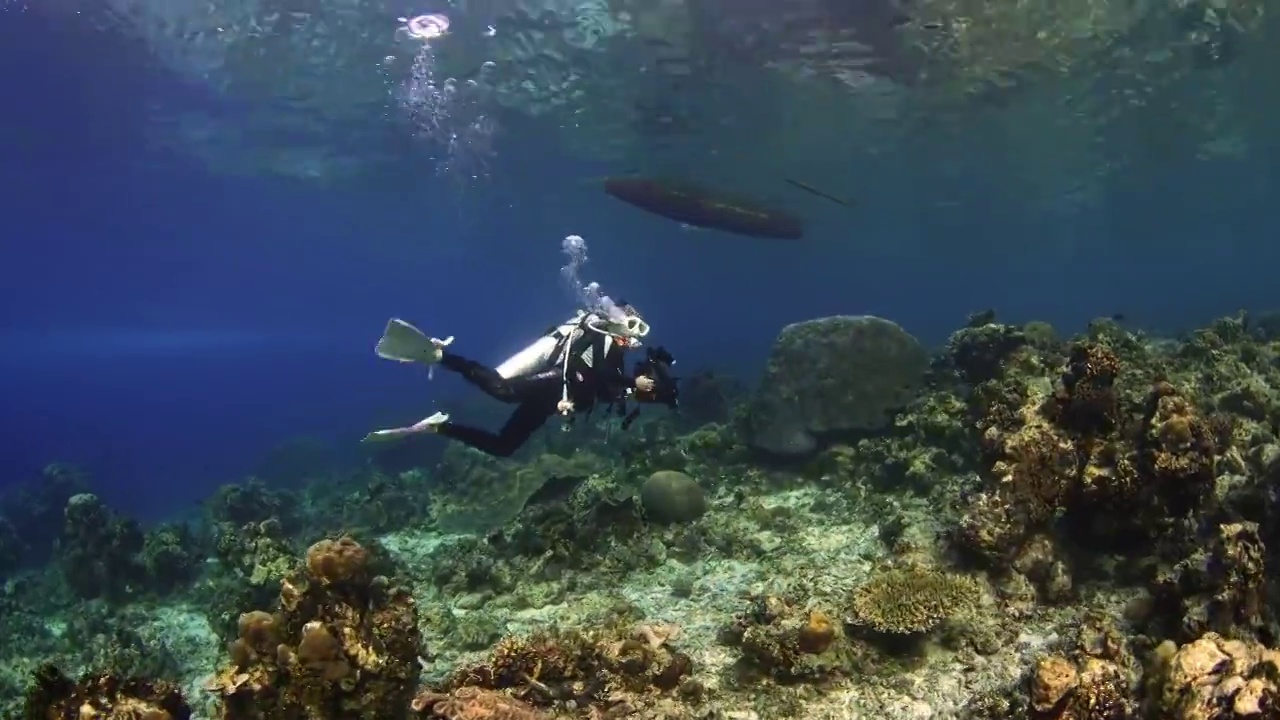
(527, 418)
(513, 390)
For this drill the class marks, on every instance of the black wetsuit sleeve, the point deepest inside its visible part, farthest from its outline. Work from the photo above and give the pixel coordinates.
(613, 378)
(527, 418)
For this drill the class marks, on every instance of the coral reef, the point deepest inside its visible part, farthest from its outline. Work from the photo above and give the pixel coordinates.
(1214, 678)
(33, 512)
(1030, 527)
(102, 554)
(1086, 460)
(53, 695)
(471, 703)
(777, 639)
(342, 644)
(608, 668)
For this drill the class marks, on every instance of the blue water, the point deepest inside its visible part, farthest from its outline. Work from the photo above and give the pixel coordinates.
(167, 325)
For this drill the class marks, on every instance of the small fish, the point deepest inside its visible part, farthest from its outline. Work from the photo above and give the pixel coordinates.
(815, 191)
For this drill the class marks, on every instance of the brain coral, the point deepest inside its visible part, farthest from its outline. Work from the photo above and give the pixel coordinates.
(671, 497)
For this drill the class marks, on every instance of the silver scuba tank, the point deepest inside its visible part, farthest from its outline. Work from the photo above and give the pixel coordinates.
(541, 353)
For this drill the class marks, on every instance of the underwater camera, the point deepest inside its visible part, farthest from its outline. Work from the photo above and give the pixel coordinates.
(657, 365)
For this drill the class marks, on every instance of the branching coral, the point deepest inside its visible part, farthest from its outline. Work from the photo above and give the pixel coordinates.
(1084, 399)
(978, 352)
(249, 502)
(1177, 448)
(341, 645)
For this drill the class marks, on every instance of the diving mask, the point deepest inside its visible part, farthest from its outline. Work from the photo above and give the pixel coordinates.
(631, 325)
(634, 327)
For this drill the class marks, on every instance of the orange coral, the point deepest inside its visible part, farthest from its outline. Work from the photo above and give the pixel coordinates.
(1090, 683)
(338, 562)
(1213, 677)
(817, 634)
(258, 629)
(321, 652)
(335, 649)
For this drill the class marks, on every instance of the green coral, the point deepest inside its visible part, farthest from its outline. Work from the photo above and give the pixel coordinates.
(171, 556)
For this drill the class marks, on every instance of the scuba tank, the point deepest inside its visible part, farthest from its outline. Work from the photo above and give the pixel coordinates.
(543, 352)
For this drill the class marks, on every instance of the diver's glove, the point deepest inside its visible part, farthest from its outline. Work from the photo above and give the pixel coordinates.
(564, 407)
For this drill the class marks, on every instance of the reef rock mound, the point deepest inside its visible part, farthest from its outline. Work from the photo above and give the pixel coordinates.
(834, 375)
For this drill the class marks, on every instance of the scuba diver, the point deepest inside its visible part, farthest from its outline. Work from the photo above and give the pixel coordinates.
(574, 367)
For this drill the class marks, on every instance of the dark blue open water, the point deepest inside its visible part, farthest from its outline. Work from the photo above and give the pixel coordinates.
(166, 319)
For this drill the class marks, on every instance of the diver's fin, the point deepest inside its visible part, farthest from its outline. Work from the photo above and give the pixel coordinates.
(425, 425)
(405, 343)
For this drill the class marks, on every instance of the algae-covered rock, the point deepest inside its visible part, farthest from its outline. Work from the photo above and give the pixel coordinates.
(834, 375)
(104, 695)
(671, 497)
(1215, 678)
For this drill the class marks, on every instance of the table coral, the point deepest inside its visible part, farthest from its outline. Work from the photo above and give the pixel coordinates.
(912, 601)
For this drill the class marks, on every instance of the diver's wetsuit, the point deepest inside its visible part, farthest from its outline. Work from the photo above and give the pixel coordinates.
(537, 394)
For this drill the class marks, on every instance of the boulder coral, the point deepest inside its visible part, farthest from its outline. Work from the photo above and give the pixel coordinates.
(834, 375)
(670, 497)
